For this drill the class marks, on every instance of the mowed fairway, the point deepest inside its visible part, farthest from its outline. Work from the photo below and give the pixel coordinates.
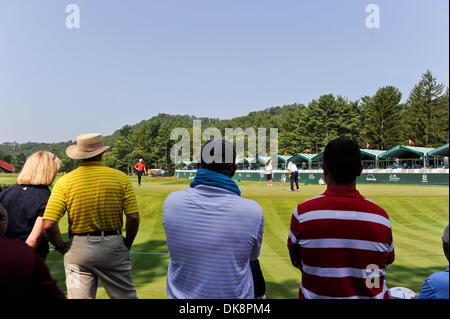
(418, 215)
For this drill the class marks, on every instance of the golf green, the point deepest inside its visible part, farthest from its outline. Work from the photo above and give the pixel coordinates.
(418, 216)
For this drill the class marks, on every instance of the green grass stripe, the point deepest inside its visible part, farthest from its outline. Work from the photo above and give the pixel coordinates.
(418, 216)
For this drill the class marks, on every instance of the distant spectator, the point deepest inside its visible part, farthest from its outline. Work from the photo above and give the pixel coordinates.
(339, 238)
(23, 274)
(212, 232)
(283, 179)
(26, 201)
(293, 176)
(269, 170)
(436, 286)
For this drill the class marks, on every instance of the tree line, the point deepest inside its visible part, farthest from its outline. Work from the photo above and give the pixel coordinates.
(378, 122)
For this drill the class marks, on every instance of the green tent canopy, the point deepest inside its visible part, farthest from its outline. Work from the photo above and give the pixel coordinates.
(302, 157)
(282, 160)
(439, 156)
(368, 155)
(440, 151)
(406, 152)
(187, 164)
(245, 162)
(263, 159)
(318, 157)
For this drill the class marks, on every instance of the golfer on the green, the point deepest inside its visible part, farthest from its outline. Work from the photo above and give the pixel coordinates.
(140, 167)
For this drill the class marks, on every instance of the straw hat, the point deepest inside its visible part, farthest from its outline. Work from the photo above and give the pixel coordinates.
(88, 145)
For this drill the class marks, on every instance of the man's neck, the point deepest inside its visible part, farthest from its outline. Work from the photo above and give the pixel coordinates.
(348, 185)
(93, 159)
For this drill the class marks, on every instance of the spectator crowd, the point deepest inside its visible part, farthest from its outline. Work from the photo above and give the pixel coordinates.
(340, 241)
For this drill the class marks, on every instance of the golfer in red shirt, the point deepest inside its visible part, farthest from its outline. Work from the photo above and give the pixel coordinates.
(140, 167)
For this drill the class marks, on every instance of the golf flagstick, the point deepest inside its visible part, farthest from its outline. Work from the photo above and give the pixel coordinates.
(261, 177)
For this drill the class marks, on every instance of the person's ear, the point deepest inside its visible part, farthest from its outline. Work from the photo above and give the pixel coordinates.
(360, 169)
(324, 167)
(233, 170)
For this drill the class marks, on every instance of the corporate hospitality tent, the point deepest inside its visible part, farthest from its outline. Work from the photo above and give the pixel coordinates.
(263, 159)
(187, 164)
(316, 160)
(370, 158)
(404, 157)
(282, 161)
(439, 156)
(246, 163)
(302, 160)
(259, 162)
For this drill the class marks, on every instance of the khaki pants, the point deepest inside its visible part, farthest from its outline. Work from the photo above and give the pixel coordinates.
(98, 257)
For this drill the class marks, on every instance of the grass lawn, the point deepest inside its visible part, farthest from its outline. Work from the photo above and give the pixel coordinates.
(418, 215)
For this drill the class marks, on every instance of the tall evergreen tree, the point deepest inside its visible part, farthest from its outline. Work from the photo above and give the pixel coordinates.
(426, 115)
(330, 117)
(119, 157)
(293, 134)
(382, 117)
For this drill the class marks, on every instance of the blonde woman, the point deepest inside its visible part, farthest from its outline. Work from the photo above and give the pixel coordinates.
(26, 201)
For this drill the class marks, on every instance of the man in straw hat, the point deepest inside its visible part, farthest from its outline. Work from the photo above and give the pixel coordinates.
(95, 198)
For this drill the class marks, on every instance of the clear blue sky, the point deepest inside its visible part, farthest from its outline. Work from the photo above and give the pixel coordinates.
(131, 60)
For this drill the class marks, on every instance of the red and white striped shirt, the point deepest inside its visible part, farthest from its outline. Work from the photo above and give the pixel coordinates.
(341, 234)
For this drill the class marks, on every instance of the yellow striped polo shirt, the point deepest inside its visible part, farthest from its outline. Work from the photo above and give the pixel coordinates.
(94, 196)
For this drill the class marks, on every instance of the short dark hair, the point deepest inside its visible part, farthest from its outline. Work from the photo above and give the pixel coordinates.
(342, 158)
(223, 164)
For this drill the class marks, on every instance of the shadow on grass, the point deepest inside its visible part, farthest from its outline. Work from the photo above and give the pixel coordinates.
(287, 289)
(403, 276)
(148, 264)
(410, 277)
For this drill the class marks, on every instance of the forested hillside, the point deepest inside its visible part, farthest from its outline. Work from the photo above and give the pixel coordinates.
(380, 121)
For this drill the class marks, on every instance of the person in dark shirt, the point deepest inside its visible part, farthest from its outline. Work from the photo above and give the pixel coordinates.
(3, 220)
(26, 201)
(258, 280)
(23, 274)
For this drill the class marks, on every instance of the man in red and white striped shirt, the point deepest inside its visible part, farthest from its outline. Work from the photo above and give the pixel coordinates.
(341, 241)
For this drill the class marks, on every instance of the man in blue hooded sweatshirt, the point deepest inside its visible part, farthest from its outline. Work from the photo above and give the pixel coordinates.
(212, 232)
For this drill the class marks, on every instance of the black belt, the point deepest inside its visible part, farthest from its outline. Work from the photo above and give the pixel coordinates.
(99, 233)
